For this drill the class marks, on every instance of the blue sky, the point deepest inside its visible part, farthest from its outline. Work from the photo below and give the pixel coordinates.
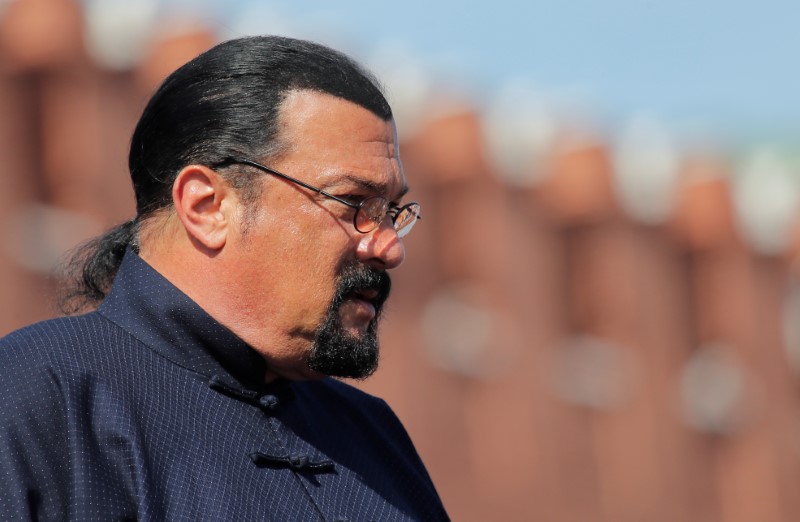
(726, 67)
(729, 66)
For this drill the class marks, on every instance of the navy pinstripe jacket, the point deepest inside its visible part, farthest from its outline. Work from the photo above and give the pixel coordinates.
(148, 409)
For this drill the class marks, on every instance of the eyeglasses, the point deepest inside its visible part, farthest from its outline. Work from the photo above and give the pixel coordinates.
(369, 213)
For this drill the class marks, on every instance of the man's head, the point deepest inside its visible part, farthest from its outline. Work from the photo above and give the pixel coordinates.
(276, 257)
(293, 276)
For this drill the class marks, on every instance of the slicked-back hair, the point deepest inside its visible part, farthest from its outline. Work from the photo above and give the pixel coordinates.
(223, 104)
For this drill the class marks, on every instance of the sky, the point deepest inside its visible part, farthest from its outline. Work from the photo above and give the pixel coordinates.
(727, 68)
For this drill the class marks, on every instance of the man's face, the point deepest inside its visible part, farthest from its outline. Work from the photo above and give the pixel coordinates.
(309, 286)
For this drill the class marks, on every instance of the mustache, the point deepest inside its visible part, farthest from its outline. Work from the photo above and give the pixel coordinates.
(358, 278)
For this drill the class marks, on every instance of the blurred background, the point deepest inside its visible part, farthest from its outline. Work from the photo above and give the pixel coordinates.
(599, 316)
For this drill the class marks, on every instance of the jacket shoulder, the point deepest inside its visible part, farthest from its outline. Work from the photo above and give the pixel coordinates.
(54, 342)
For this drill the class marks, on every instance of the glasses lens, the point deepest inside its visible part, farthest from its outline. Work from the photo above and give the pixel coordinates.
(371, 213)
(406, 219)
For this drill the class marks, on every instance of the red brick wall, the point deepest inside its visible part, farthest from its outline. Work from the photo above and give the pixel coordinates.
(553, 358)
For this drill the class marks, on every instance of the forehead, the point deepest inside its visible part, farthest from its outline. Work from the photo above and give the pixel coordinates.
(331, 138)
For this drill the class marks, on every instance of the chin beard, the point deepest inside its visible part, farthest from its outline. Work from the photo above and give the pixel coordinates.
(337, 352)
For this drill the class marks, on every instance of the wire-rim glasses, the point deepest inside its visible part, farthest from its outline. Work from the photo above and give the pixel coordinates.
(370, 212)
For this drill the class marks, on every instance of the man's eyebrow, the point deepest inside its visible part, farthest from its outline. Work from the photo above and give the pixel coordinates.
(370, 186)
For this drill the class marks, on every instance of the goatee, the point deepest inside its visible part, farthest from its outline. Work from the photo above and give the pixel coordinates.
(336, 351)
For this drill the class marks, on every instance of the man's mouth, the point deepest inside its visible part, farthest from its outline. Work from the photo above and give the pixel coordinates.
(361, 295)
(369, 295)
(366, 300)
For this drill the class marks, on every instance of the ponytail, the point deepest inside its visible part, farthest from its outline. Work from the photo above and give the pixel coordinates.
(91, 268)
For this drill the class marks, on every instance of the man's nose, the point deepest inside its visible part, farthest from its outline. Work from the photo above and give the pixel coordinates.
(381, 248)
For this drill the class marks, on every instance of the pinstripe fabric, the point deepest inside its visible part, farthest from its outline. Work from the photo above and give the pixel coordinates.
(148, 409)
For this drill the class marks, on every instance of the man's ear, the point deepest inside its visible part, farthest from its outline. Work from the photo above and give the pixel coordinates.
(205, 204)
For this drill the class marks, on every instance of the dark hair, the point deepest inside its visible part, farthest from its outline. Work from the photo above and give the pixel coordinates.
(225, 103)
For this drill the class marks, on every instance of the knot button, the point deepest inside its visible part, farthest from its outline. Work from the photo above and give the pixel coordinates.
(298, 461)
(268, 402)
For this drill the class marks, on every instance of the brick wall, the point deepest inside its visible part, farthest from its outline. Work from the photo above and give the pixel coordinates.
(560, 350)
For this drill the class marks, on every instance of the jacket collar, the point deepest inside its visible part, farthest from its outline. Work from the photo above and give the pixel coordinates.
(158, 314)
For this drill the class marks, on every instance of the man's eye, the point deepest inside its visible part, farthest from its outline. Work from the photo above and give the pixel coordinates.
(355, 199)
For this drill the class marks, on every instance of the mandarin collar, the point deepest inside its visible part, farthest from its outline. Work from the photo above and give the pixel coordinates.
(149, 307)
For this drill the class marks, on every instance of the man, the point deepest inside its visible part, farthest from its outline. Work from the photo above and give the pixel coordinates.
(269, 196)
